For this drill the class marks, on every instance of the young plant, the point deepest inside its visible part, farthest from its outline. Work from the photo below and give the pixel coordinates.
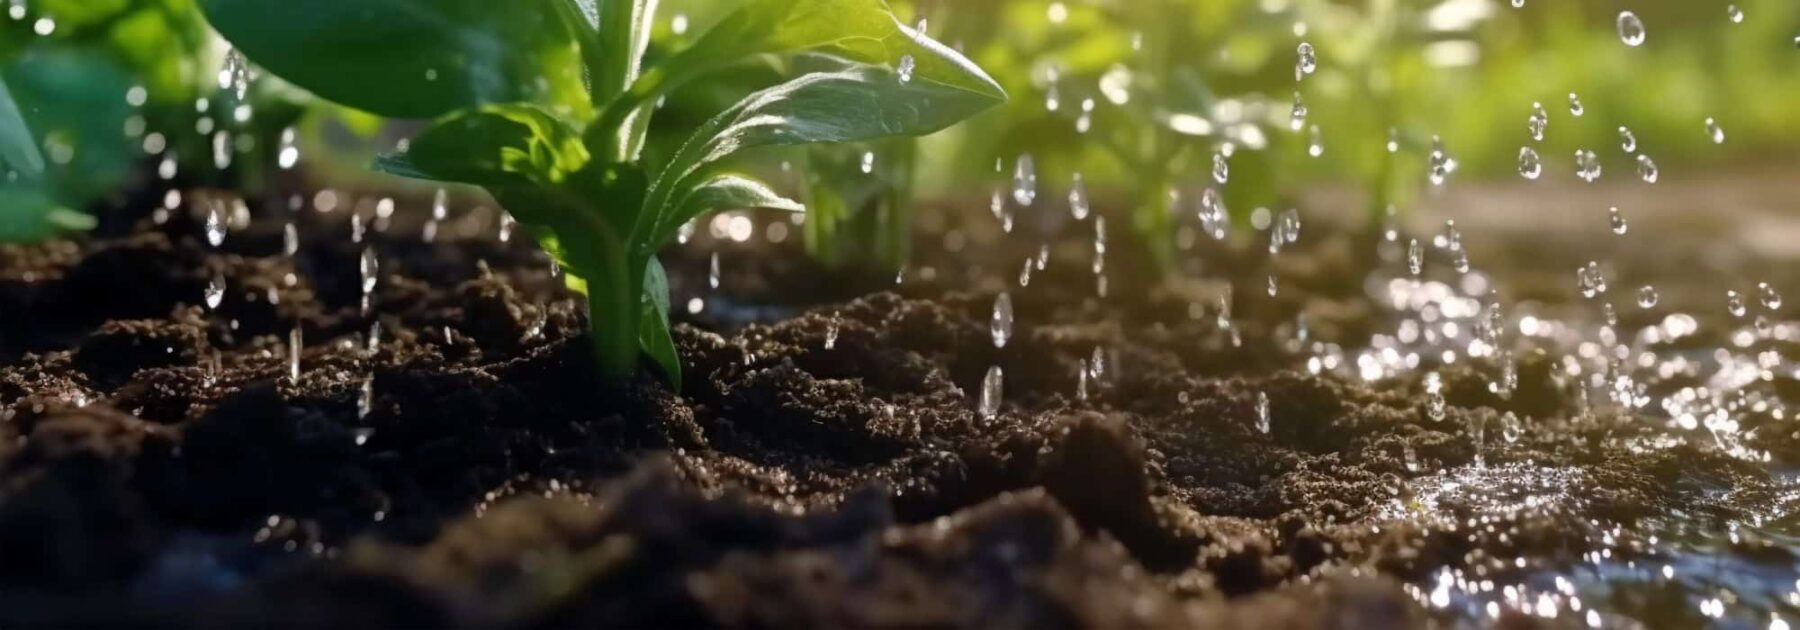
(546, 105)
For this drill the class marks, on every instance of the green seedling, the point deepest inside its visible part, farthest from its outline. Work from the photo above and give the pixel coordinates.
(546, 105)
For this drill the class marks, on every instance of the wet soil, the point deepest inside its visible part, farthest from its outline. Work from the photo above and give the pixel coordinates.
(824, 466)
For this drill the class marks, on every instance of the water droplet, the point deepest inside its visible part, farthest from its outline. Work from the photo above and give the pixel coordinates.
(1081, 382)
(1538, 122)
(295, 346)
(1262, 412)
(1734, 304)
(1298, 120)
(1043, 256)
(215, 292)
(1221, 171)
(1025, 274)
(1587, 165)
(1714, 131)
(290, 240)
(370, 266)
(1079, 206)
(1024, 185)
(1441, 164)
(1308, 61)
(1415, 257)
(1648, 297)
(991, 392)
(1315, 142)
(1530, 165)
(1736, 14)
(1273, 287)
(1287, 226)
(1617, 220)
(1097, 364)
(1631, 29)
(1627, 140)
(831, 331)
(1393, 140)
(1591, 280)
(1770, 298)
(1052, 97)
(234, 75)
(1510, 427)
(365, 402)
(440, 205)
(289, 154)
(215, 224)
(868, 162)
(907, 65)
(1575, 106)
(712, 271)
(1000, 326)
(508, 223)
(1647, 169)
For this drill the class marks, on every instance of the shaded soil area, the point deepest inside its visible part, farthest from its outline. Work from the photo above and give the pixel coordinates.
(825, 465)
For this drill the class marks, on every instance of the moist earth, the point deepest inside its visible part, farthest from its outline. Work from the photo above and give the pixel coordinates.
(824, 464)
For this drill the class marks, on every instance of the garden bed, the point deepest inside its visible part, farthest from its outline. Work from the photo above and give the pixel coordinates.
(825, 464)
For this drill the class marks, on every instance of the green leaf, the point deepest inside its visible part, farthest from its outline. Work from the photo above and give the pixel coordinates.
(725, 192)
(494, 146)
(411, 58)
(29, 216)
(861, 103)
(18, 150)
(653, 330)
(860, 30)
(863, 31)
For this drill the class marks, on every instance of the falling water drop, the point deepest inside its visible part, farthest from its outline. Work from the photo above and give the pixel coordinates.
(1734, 304)
(1415, 257)
(1078, 199)
(1024, 184)
(712, 272)
(215, 224)
(1736, 14)
(215, 292)
(1538, 121)
(295, 346)
(1221, 169)
(1393, 140)
(1714, 131)
(1587, 165)
(1097, 364)
(1025, 274)
(1648, 297)
(1575, 106)
(1530, 165)
(868, 162)
(1441, 164)
(1435, 405)
(365, 402)
(1000, 326)
(1315, 142)
(991, 392)
(1510, 427)
(1262, 412)
(1617, 219)
(1298, 118)
(1308, 61)
(289, 154)
(1631, 29)
(234, 75)
(1274, 288)
(1770, 298)
(907, 65)
(831, 331)
(1627, 140)
(1647, 169)
(1081, 381)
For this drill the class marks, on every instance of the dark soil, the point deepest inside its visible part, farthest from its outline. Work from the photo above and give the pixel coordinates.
(495, 482)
